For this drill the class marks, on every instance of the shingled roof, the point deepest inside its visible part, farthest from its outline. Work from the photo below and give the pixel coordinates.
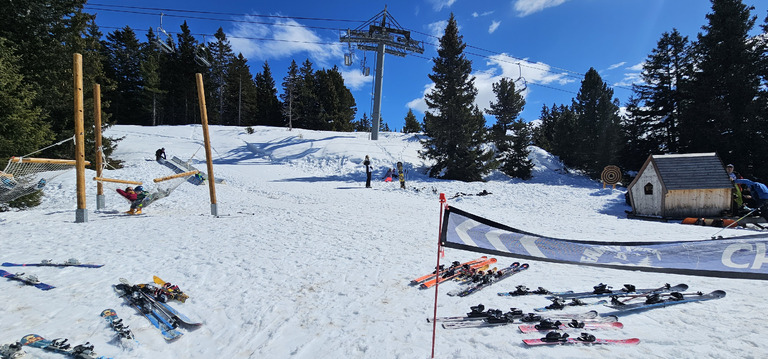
(691, 171)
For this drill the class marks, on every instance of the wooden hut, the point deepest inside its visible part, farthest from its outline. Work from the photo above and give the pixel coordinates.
(681, 185)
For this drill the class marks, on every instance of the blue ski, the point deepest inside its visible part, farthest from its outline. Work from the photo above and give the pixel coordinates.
(29, 280)
(47, 263)
(656, 301)
(149, 311)
(84, 351)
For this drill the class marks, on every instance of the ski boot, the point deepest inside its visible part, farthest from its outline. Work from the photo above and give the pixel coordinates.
(131, 211)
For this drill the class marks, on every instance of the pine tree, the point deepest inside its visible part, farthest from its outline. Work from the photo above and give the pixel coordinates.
(239, 94)
(654, 112)
(268, 107)
(455, 128)
(364, 124)
(511, 149)
(412, 125)
(288, 97)
(557, 132)
(725, 89)
(151, 95)
(598, 133)
(123, 65)
(22, 129)
(335, 101)
(221, 58)
(306, 104)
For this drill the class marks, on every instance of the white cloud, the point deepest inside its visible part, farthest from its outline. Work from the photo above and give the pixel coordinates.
(501, 66)
(637, 67)
(616, 66)
(494, 26)
(438, 5)
(437, 29)
(284, 39)
(476, 14)
(354, 79)
(527, 7)
(633, 77)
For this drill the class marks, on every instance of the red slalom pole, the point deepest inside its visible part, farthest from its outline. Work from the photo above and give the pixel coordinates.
(437, 270)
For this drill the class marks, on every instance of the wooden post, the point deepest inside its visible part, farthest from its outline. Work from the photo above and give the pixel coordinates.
(114, 180)
(207, 141)
(100, 201)
(81, 215)
(183, 174)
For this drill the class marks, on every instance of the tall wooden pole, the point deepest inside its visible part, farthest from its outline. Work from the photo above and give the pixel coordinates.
(97, 133)
(81, 215)
(207, 141)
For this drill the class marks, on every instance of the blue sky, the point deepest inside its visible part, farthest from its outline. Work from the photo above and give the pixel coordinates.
(548, 43)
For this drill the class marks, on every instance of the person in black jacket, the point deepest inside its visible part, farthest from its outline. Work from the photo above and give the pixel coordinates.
(160, 154)
(368, 170)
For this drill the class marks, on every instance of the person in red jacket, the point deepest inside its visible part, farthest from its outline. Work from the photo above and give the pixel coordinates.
(130, 195)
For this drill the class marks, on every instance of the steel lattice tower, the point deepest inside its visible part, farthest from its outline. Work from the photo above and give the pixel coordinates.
(381, 34)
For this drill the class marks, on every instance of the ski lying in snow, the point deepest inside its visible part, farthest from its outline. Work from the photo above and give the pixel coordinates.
(478, 314)
(151, 293)
(489, 280)
(455, 273)
(547, 325)
(660, 300)
(602, 290)
(149, 310)
(117, 324)
(83, 351)
(48, 263)
(554, 338)
(454, 266)
(29, 279)
(523, 290)
(497, 318)
(560, 304)
(172, 291)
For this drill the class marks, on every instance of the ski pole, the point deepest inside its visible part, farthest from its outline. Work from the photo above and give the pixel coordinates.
(736, 221)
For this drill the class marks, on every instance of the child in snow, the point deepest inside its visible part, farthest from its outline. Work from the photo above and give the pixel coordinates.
(388, 176)
(135, 196)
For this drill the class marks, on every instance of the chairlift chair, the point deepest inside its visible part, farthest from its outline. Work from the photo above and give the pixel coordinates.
(163, 45)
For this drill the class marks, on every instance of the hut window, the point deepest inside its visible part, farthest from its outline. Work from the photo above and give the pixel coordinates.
(648, 188)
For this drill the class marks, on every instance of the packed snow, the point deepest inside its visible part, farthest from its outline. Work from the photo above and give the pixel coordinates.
(303, 261)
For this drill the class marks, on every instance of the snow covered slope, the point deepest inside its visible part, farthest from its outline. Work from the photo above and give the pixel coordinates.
(304, 262)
